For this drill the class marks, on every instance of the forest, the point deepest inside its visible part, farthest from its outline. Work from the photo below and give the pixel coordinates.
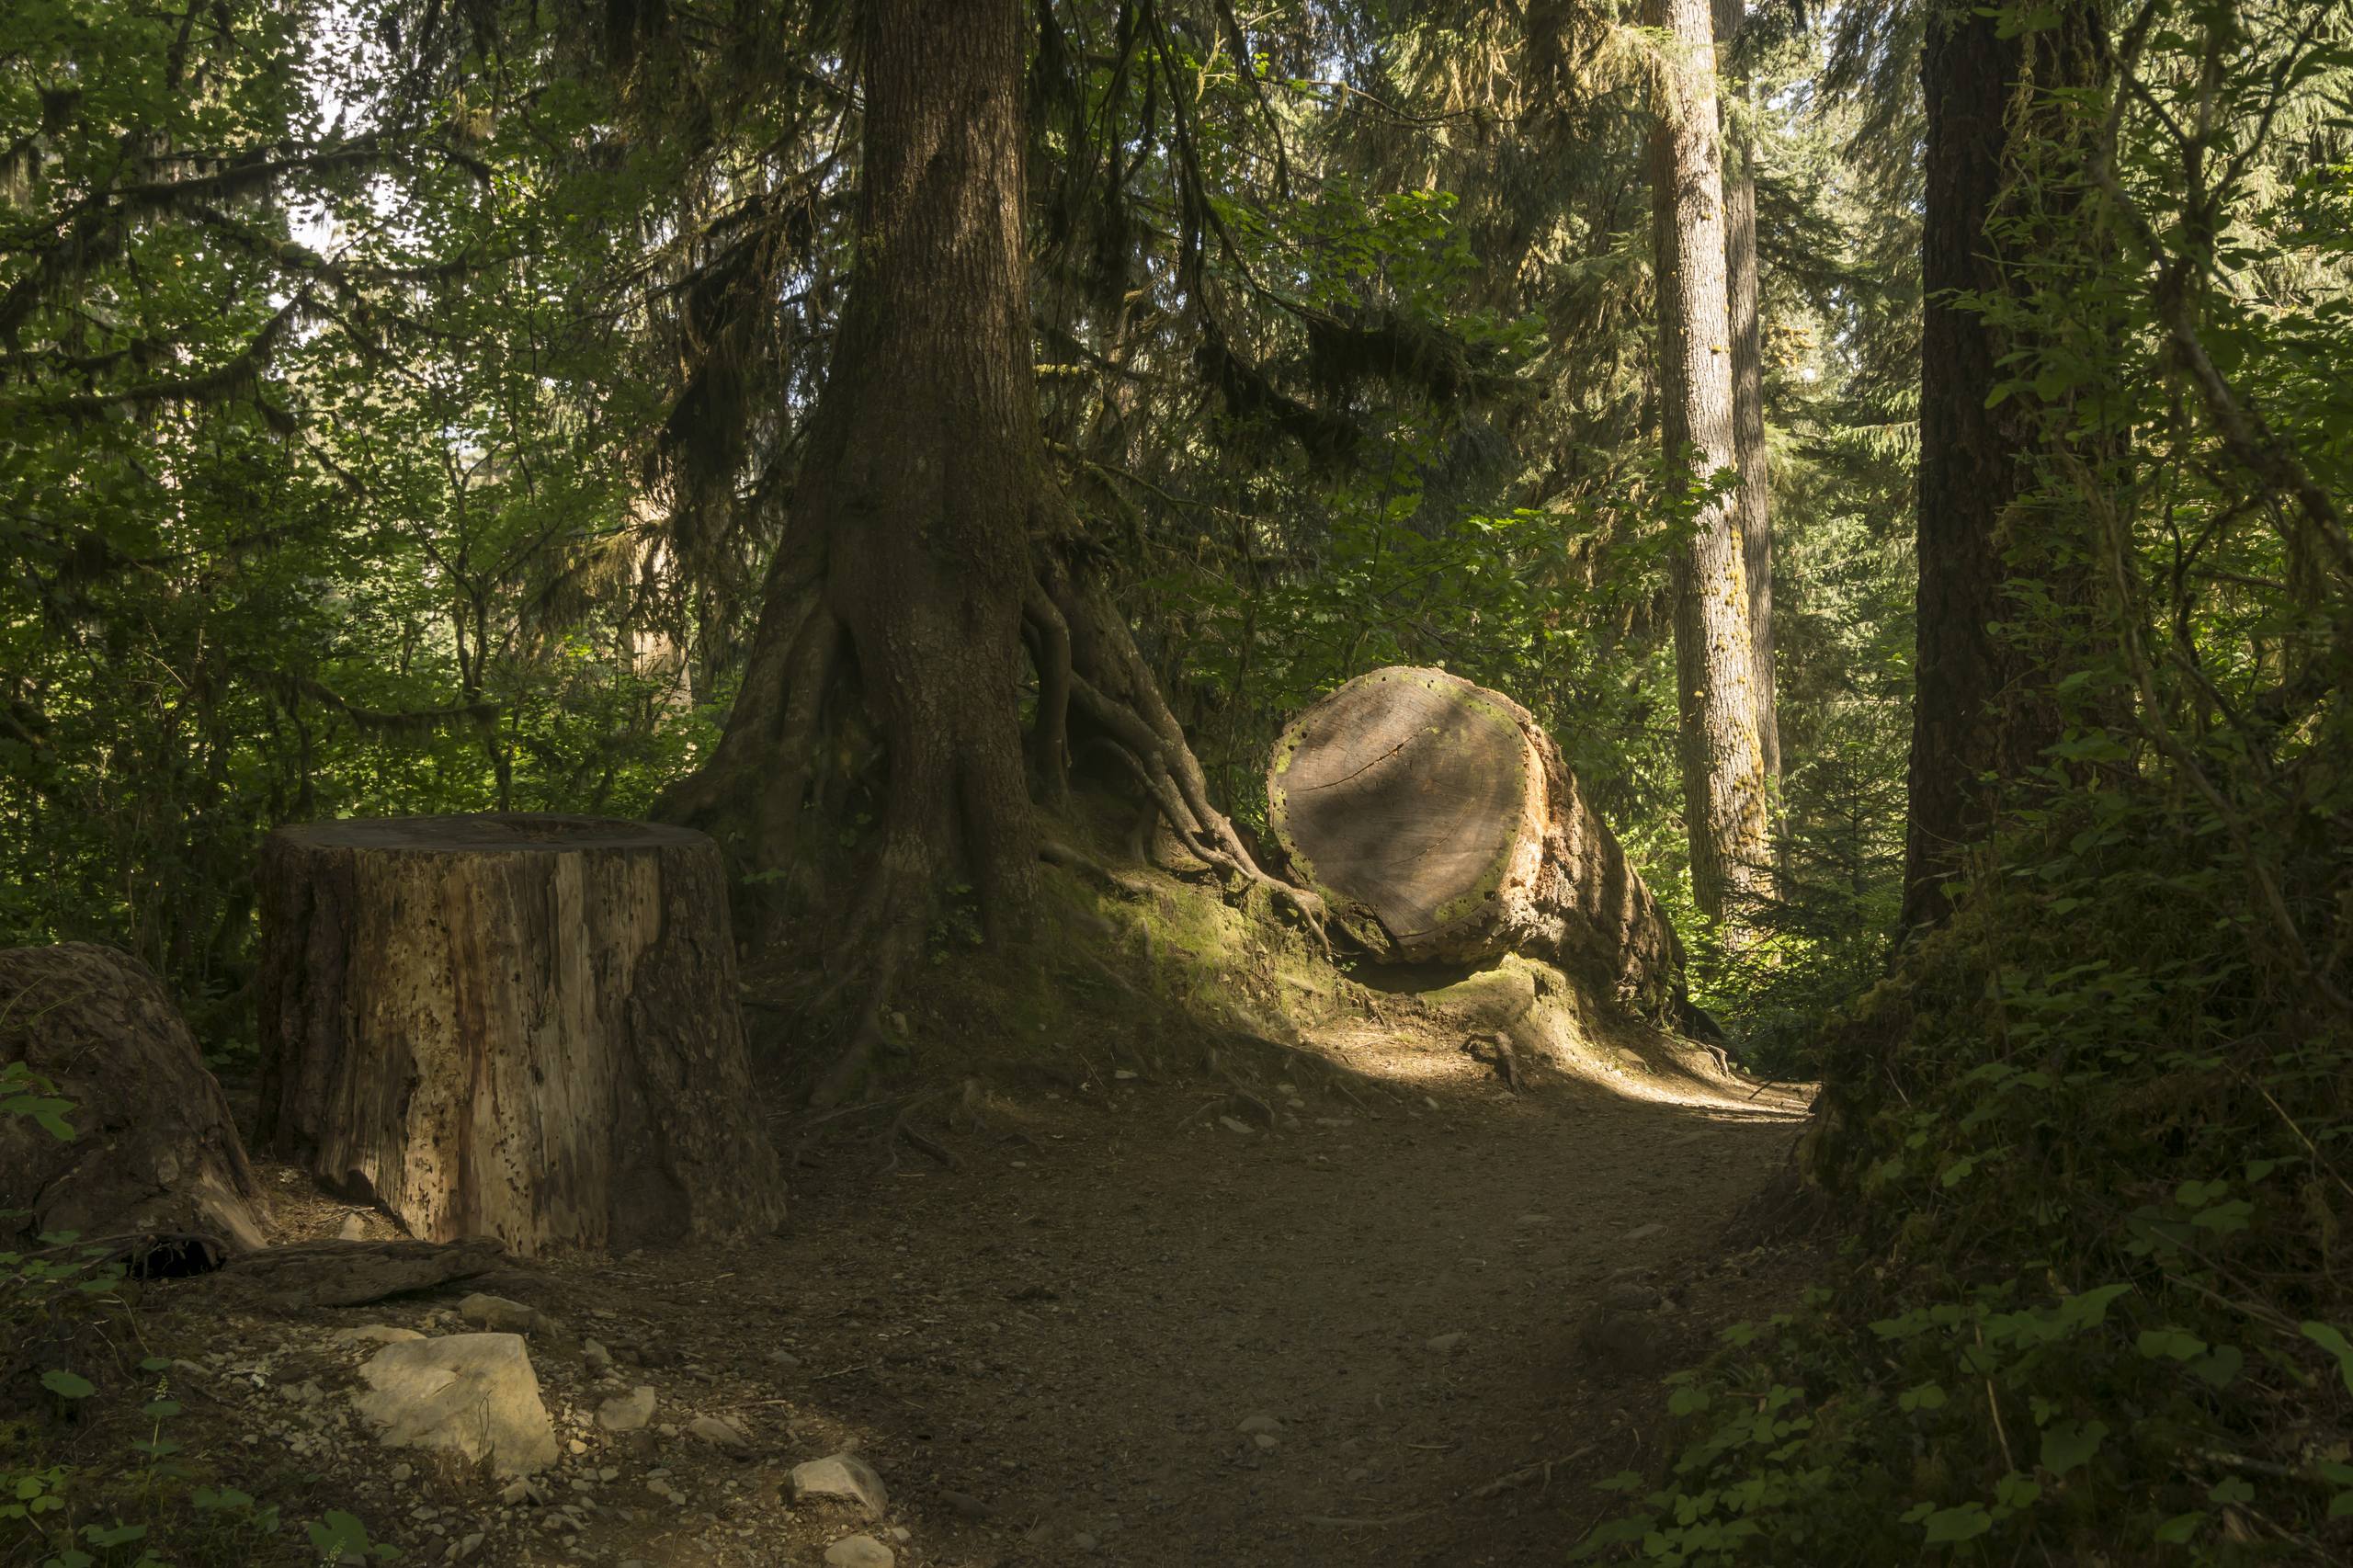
(1306, 782)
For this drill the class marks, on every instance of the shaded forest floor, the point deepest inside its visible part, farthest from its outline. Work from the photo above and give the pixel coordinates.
(1390, 1312)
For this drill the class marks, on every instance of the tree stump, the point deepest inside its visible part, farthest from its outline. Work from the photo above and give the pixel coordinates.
(1439, 823)
(151, 1151)
(522, 1028)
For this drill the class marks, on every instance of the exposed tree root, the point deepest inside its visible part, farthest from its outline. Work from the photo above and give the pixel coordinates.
(829, 671)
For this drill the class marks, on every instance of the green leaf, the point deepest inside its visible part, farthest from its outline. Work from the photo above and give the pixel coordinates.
(1966, 1522)
(2180, 1528)
(67, 1385)
(2067, 1444)
(2219, 1369)
(339, 1534)
(1923, 1396)
(2332, 1340)
(121, 1535)
(2170, 1343)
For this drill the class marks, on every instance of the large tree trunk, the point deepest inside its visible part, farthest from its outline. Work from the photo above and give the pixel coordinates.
(522, 1028)
(1978, 705)
(148, 1151)
(1753, 499)
(1724, 789)
(930, 550)
(1437, 822)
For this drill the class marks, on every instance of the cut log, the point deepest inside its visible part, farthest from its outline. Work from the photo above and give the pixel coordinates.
(514, 1026)
(1439, 823)
(154, 1153)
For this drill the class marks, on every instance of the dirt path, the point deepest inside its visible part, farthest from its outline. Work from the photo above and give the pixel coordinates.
(1050, 1354)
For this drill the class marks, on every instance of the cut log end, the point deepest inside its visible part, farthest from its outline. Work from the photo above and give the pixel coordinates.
(1440, 823)
(1406, 795)
(516, 1026)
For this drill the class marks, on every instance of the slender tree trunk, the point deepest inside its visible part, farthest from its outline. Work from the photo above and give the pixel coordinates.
(1754, 497)
(1979, 709)
(1723, 770)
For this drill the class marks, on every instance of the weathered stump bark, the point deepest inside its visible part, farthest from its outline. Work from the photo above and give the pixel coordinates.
(154, 1152)
(1440, 823)
(523, 1027)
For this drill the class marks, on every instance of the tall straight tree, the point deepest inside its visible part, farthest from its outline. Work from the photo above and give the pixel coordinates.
(1754, 498)
(1979, 710)
(1724, 785)
(930, 560)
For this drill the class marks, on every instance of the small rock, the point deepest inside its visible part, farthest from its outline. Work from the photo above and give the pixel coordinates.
(1084, 1542)
(901, 1534)
(785, 1360)
(1447, 1344)
(1235, 1124)
(859, 1552)
(353, 1229)
(595, 1354)
(468, 1544)
(1628, 1297)
(843, 1476)
(718, 1432)
(375, 1333)
(964, 1506)
(398, 1474)
(1265, 1440)
(1121, 1073)
(629, 1412)
(1644, 1232)
(1260, 1423)
(499, 1315)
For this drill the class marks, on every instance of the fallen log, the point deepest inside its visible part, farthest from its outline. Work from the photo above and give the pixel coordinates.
(1441, 824)
(514, 1026)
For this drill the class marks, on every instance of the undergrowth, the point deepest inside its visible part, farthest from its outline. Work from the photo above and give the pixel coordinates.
(92, 1474)
(2093, 1305)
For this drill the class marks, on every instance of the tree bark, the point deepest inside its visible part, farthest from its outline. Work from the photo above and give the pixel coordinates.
(1753, 499)
(1978, 708)
(930, 550)
(519, 1027)
(1437, 822)
(1724, 787)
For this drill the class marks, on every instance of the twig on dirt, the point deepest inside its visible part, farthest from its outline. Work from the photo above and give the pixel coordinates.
(845, 1372)
(1521, 1477)
(1334, 1522)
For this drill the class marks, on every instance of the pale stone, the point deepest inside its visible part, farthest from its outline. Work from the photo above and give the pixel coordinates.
(472, 1393)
